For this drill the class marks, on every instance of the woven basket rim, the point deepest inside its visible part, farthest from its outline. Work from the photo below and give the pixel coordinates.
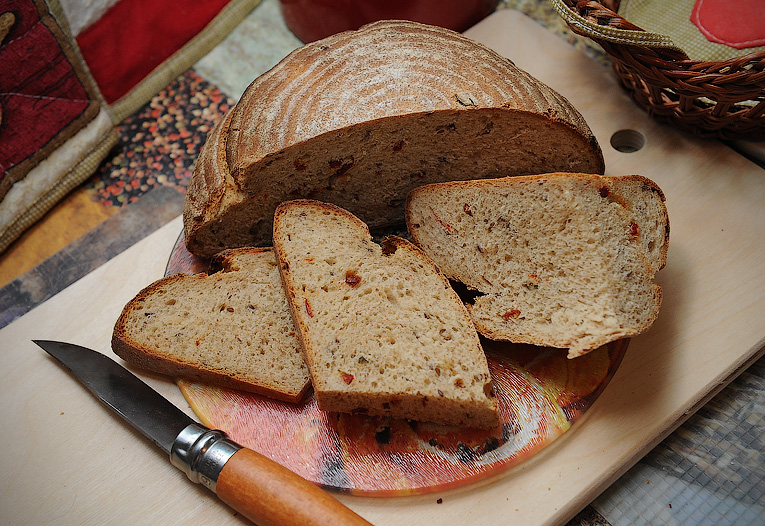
(616, 35)
(716, 98)
(615, 32)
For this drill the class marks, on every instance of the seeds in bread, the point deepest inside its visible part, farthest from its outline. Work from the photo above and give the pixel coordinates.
(558, 258)
(230, 328)
(382, 330)
(362, 117)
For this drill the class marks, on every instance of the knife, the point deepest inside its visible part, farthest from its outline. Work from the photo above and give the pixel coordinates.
(259, 488)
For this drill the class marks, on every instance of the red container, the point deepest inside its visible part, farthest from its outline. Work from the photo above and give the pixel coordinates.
(312, 20)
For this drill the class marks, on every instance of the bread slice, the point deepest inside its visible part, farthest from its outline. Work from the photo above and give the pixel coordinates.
(362, 117)
(230, 328)
(382, 330)
(562, 260)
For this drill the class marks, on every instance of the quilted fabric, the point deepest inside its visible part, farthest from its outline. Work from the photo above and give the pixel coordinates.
(44, 94)
(61, 94)
(676, 19)
(135, 36)
(54, 128)
(735, 23)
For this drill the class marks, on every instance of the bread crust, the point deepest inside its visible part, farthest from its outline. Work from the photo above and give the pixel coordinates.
(210, 188)
(362, 117)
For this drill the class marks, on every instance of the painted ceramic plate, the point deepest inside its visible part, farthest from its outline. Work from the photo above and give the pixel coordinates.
(541, 395)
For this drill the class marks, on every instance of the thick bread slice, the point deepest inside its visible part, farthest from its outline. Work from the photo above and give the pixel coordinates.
(231, 328)
(560, 258)
(382, 330)
(362, 117)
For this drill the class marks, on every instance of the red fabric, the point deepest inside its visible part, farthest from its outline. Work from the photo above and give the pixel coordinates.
(40, 93)
(736, 23)
(135, 36)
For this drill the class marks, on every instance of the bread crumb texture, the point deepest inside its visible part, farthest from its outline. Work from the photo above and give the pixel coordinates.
(561, 260)
(232, 328)
(383, 331)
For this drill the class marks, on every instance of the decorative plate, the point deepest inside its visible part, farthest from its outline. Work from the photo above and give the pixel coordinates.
(541, 395)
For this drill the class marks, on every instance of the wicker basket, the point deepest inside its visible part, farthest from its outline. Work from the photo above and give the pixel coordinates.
(720, 99)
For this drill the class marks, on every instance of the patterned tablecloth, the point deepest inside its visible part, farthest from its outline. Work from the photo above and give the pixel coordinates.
(711, 470)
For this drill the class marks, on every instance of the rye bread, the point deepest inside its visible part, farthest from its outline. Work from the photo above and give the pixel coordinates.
(230, 328)
(362, 117)
(560, 260)
(383, 333)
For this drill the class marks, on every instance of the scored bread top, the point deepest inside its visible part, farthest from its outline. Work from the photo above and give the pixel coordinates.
(362, 117)
(231, 328)
(382, 330)
(562, 260)
(385, 69)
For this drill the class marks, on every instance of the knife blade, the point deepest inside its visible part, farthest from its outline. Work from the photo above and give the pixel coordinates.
(257, 487)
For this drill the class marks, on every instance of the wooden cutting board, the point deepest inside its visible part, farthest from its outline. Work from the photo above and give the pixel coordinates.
(67, 460)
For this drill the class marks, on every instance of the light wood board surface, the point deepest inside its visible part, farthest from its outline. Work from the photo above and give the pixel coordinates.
(67, 460)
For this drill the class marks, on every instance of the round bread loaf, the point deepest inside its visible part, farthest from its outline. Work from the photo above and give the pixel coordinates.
(362, 117)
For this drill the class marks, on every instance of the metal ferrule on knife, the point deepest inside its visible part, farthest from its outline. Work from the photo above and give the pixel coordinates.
(201, 453)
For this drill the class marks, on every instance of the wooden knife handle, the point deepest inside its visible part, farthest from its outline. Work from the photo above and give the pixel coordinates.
(269, 494)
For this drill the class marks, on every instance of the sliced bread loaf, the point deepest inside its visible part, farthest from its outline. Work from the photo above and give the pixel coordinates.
(362, 117)
(382, 330)
(562, 260)
(231, 328)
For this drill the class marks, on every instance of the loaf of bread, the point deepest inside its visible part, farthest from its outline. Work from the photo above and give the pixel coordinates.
(383, 332)
(362, 117)
(230, 328)
(559, 260)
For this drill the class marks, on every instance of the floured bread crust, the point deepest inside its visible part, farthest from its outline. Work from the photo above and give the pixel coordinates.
(361, 118)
